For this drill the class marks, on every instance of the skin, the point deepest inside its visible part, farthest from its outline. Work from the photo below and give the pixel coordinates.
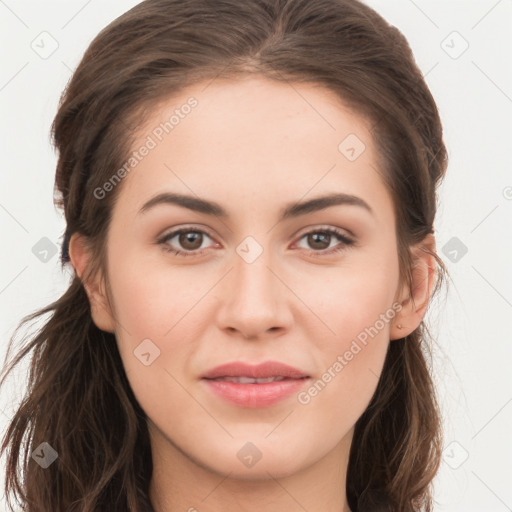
(253, 146)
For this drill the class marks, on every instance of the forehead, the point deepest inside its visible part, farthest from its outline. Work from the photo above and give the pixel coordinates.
(257, 139)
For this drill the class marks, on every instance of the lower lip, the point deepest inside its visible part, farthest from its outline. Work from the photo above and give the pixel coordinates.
(255, 395)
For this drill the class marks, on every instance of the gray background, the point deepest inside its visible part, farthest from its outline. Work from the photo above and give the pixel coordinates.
(464, 50)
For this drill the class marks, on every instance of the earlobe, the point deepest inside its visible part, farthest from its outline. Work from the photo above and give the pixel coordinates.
(94, 285)
(414, 304)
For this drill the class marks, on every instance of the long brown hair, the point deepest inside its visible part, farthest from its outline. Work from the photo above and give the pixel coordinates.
(78, 398)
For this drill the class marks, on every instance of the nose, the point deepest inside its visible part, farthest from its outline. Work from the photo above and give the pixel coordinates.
(254, 300)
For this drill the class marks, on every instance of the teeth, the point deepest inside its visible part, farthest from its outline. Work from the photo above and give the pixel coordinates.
(250, 380)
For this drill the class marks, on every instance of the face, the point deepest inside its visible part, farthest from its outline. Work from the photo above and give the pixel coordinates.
(313, 289)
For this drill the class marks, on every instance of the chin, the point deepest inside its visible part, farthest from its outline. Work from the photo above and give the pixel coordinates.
(257, 460)
(261, 471)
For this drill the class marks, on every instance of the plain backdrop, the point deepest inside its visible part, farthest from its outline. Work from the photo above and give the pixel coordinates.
(464, 51)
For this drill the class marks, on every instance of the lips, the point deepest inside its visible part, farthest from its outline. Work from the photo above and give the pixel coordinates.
(254, 386)
(260, 371)
(250, 380)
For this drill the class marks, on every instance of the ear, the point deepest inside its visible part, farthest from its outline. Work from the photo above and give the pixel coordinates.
(424, 276)
(94, 285)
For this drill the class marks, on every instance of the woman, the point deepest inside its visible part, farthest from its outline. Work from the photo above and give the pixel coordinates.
(250, 192)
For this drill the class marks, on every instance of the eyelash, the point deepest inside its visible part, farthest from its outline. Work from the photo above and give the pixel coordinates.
(346, 242)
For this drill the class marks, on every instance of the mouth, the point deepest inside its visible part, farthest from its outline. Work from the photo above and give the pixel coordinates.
(257, 386)
(251, 380)
(268, 369)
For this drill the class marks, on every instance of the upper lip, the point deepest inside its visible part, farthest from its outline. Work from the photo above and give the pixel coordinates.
(259, 371)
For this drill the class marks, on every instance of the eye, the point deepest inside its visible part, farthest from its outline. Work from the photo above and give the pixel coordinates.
(191, 239)
(321, 239)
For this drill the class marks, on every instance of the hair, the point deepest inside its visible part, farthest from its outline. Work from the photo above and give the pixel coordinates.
(78, 397)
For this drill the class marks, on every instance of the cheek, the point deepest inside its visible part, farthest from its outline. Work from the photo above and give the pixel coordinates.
(351, 298)
(355, 306)
(350, 361)
(149, 300)
(153, 303)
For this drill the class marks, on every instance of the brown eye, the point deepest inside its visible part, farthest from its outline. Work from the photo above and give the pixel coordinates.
(187, 242)
(190, 240)
(319, 241)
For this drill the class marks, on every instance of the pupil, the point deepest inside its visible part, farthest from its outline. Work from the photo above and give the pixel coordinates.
(185, 238)
(314, 237)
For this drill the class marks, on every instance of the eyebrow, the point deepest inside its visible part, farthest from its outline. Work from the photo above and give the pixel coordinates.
(291, 210)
